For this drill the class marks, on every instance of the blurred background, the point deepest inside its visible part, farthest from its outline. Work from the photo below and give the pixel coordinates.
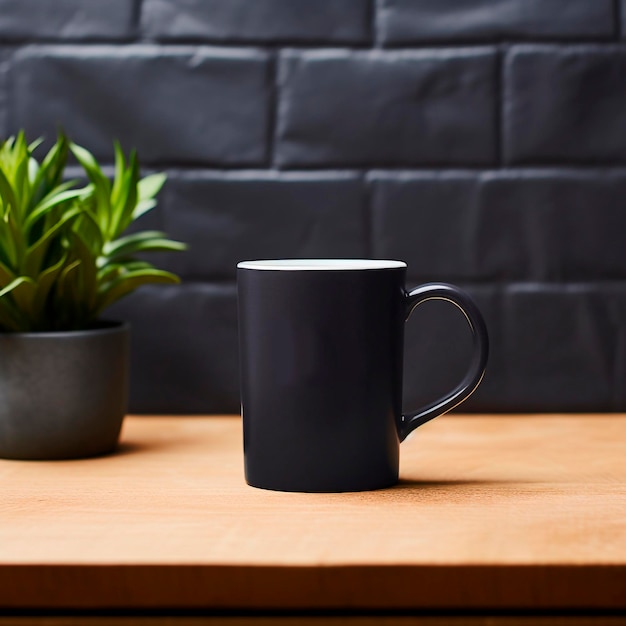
(481, 141)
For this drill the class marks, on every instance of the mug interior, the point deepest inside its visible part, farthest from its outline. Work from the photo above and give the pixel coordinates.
(320, 264)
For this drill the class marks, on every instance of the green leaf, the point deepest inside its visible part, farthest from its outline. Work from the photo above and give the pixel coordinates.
(120, 170)
(33, 169)
(62, 259)
(7, 155)
(21, 290)
(123, 244)
(147, 188)
(35, 253)
(101, 185)
(16, 233)
(6, 275)
(21, 185)
(9, 200)
(152, 244)
(66, 298)
(123, 211)
(50, 172)
(87, 276)
(58, 189)
(12, 156)
(14, 284)
(150, 186)
(20, 146)
(143, 207)
(87, 160)
(23, 294)
(128, 282)
(33, 145)
(53, 199)
(9, 317)
(111, 271)
(89, 230)
(8, 253)
(67, 273)
(45, 282)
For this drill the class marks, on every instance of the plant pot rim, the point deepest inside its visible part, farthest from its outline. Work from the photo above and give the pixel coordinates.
(101, 327)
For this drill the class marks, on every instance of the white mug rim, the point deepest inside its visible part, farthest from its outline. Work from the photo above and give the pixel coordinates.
(321, 264)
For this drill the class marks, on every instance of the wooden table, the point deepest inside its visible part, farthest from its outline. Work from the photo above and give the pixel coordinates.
(495, 515)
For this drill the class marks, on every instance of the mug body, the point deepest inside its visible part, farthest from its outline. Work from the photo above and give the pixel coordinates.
(321, 347)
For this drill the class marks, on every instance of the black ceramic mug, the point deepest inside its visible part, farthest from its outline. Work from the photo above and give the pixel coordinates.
(321, 348)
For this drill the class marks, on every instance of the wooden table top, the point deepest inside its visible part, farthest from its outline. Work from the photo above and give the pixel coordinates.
(492, 512)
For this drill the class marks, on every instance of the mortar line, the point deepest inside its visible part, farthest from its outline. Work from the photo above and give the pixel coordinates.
(273, 104)
(500, 85)
(373, 8)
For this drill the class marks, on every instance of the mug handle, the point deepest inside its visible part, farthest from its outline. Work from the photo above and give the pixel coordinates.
(476, 371)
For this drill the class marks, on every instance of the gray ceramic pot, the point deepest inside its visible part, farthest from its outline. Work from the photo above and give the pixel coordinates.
(63, 395)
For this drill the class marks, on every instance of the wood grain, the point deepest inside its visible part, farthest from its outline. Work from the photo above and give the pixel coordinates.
(492, 512)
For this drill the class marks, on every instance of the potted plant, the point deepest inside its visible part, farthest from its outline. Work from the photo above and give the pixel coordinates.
(64, 259)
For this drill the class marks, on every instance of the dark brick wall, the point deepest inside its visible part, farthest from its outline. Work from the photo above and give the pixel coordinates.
(482, 141)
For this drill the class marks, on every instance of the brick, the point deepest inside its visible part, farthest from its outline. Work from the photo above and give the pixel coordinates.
(565, 104)
(556, 349)
(4, 93)
(614, 327)
(425, 219)
(195, 105)
(184, 348)
(553, 347)
(66, 19)
(417, 21)
(537, 225)
(547, 225)
(226, 217)
(378, 108)
(316, 21)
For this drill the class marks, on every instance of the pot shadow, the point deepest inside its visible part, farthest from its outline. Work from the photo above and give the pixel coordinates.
(121, 449)
(133, 447)
(148, 445)
(144, 446)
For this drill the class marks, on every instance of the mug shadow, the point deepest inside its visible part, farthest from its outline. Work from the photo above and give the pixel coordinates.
(418, 483)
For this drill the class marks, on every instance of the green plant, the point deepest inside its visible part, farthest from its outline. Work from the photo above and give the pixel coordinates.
(63, 256)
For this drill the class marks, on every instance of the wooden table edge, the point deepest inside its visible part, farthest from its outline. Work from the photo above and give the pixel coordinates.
(363, 587)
